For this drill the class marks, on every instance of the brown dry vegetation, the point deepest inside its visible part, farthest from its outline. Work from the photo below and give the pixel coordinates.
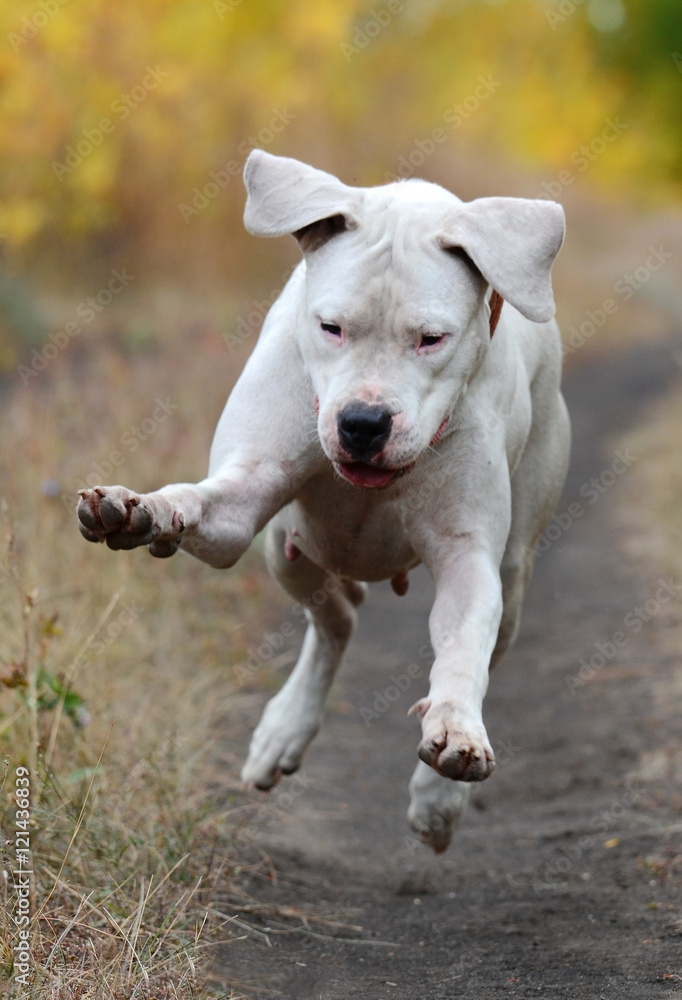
(652, 516)
(132, 828)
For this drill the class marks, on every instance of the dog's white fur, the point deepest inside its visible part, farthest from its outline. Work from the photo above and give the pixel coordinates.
(387, 315)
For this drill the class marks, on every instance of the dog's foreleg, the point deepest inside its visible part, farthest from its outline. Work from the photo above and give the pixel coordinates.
(214, 520)
(464, 623)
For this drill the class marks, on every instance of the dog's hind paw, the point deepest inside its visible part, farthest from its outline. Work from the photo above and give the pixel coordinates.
(278, 743)
(436, 807)
(125, 520)
(266, 764)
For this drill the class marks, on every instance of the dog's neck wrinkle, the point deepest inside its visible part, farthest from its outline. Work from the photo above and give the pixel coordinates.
(399, 255)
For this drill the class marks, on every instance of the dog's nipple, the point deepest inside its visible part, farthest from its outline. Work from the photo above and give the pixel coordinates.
(400, 583)
(291, 551)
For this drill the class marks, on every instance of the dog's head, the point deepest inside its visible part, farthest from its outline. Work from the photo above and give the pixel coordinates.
(396, 321)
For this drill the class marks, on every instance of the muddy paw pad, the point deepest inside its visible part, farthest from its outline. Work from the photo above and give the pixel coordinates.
(91, 536)
(112, 512)
(141, 519)
(458, 758)
(163, 548)
(87, 516)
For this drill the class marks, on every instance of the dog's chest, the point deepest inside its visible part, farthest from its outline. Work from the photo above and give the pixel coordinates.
(349, 531)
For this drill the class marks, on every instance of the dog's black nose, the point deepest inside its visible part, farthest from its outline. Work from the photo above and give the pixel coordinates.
(364, 430)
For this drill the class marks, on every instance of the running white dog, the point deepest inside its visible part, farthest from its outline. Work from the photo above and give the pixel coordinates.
(379, 424)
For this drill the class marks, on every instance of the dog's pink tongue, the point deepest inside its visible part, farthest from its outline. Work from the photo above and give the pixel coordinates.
(366, 475)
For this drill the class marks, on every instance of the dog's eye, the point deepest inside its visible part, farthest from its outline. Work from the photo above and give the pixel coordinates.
(332, 328)
(429, 340)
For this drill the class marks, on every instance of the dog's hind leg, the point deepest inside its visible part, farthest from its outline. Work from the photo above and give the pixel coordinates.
(292, 718)
(536, 488)
(437, 805)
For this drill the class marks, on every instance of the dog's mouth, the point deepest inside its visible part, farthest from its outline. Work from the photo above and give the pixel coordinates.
(370, 476)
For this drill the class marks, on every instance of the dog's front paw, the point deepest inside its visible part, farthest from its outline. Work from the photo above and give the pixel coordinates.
(124, 520)
(451, 745)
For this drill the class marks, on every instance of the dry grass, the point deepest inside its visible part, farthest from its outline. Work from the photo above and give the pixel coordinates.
(651, 522)
(115, 680)
(652, 511)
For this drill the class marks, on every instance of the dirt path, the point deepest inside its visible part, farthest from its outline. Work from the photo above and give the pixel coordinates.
(565, 878)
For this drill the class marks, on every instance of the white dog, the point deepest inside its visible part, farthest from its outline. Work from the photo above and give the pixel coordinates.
(379, 424)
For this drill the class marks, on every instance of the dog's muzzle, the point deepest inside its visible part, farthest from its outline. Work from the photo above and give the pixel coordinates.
(363, 432)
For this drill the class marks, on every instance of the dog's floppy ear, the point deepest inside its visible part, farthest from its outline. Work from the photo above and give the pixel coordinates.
(513, 243)
(287, 196)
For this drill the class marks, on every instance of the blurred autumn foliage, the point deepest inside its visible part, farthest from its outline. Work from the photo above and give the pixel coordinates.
(124, 126)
